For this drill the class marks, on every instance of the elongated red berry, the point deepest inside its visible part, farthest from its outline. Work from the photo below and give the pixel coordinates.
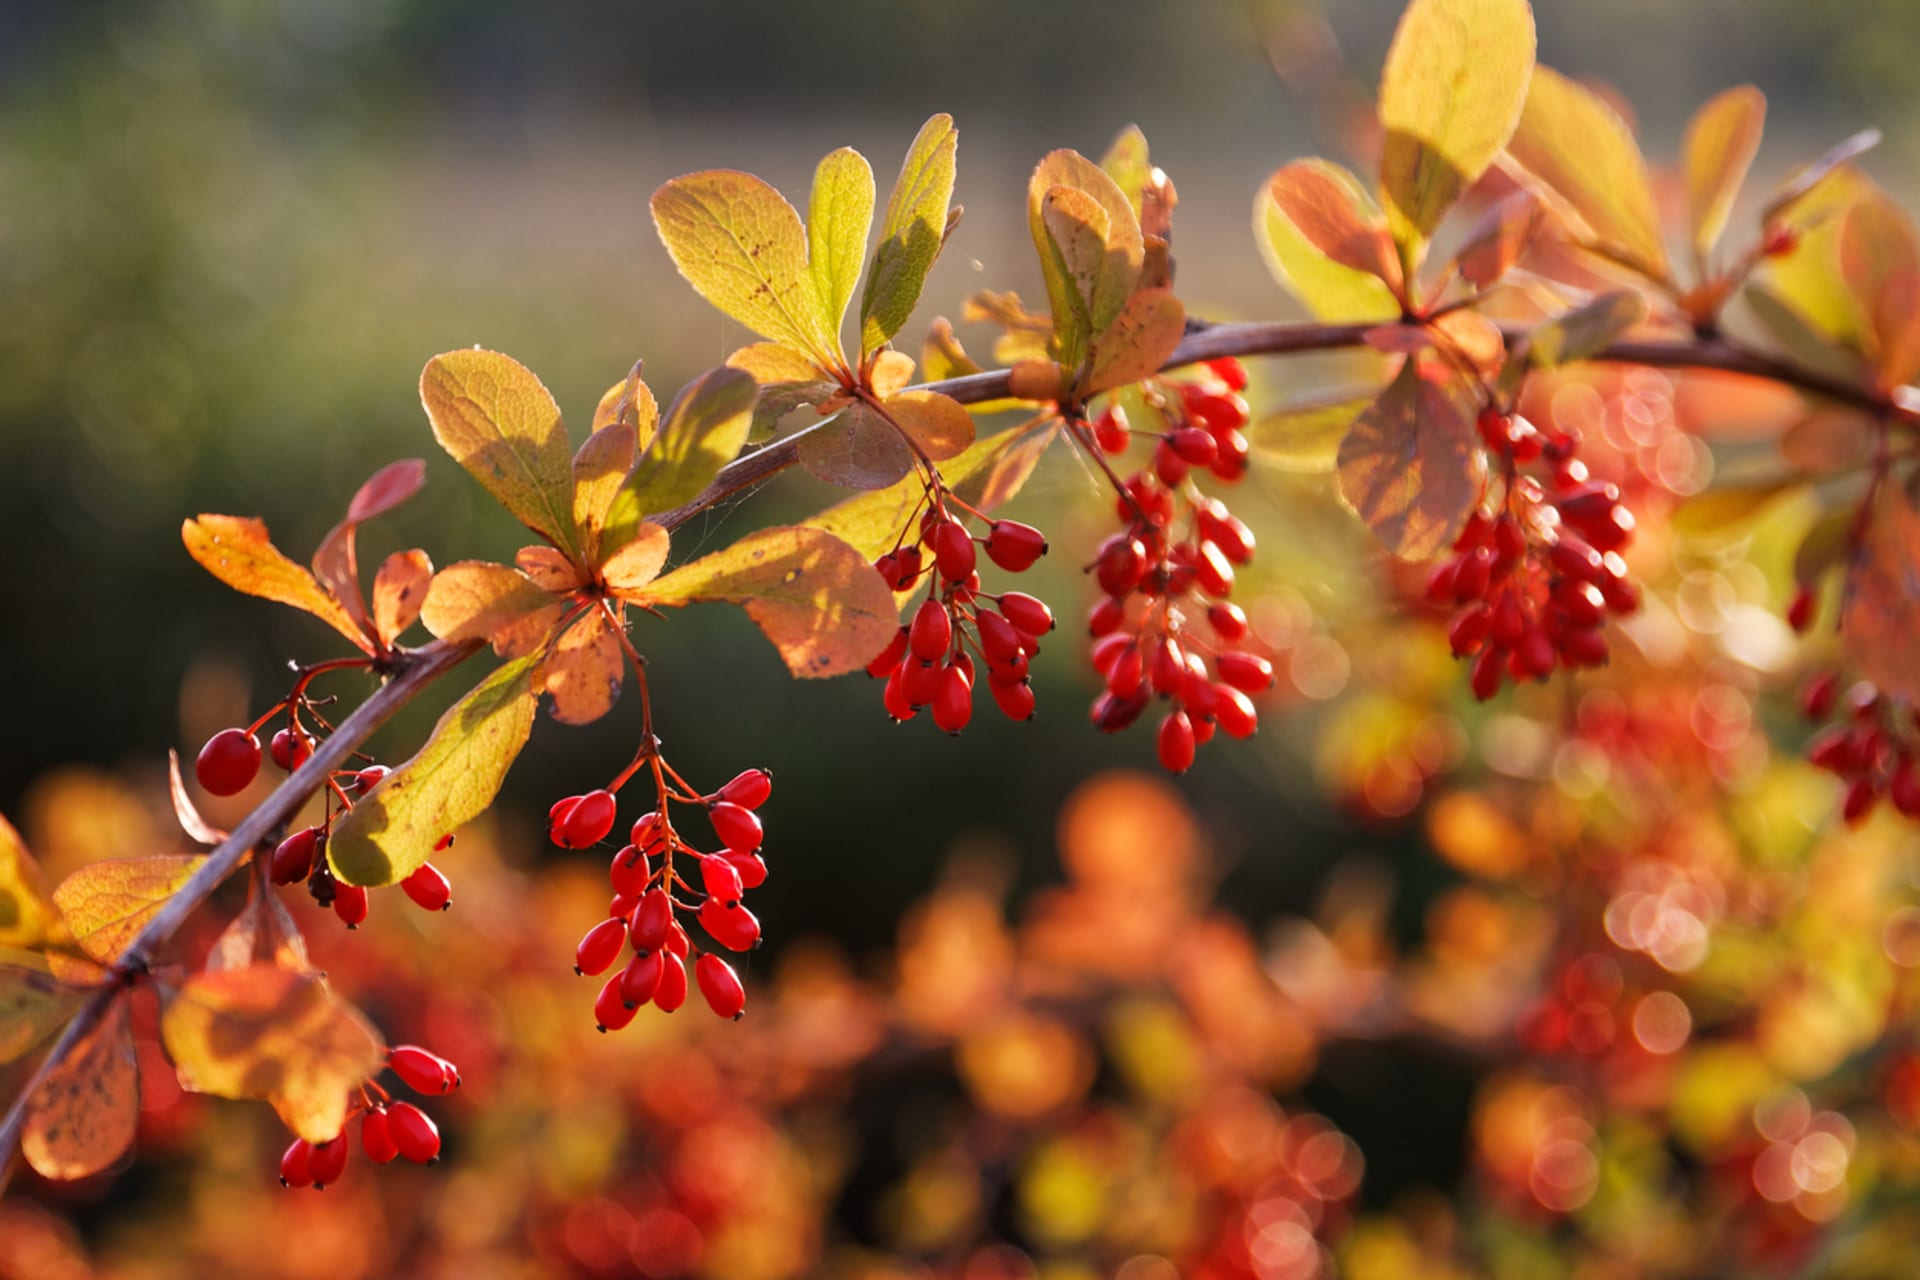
(1800, 611)
(1176, 743)
(749, 789)
(293, 857)
(422, 1069)
(1016, 701)
(649, 834)
(1027, 613)
(895, 698)
(289, 750)
(930, 632)
(751, 866)
(610, 1012)
(730, 924)
(1015, 546)
(429, 888)
(739, 829)
(1246, 672)
(600, 946)
(228, 762)
(1230, 371)
(639, 978)
(328, 1161)
(722, 881)
(650, 921)
(953, 704)
(629, 872)
(1120, 565)
(376, 1137)
(1110, 430)
(720, 985)
(677, 943)
(889, 659)
(350, 904)
(672, 991)
(1228, 621)
(296, 1165)
(1234, 712)
(582, 821)
(953, 550)
(370, 777)
(417, 1136)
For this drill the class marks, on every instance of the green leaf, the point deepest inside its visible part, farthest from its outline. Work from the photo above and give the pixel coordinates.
(1722, 139)
(1332, 292)
(1450, 95)
(819, 600)
(1127, 164)
(1587, 330)
(1582, 160)
(450, 781)
(1081, 231)
(499, 422)
(839, 216)
(911, 234)
(1073, 325)
(1137, 343)
(741, 246)
(1305, 438)
(704, 430)
(1408, 467)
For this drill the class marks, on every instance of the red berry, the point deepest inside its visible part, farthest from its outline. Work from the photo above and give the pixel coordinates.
(1176, 743)
(376, 1137)
(289, 750)
(1225, 530)
(327, 1161)
(749, 790)
(752, 868)
(1904, 790)
(1121, 564)
(1015, 701)
(720, 985)
(1230, 371)
(1111, 432)
(1106, 617)
(672, 991)
(1228, 621)
(1220, 412)
(1015, 546)
(888, 660)
(228, 762)
(1234, 712)
(1800, 610)
(629, 872)
(1487, 671)
(639, 978)
(350, 904)
(429, 889)
(1214, 571)
(423, 1070)
(417, 1137)
(953, 704)
(953, 550)
(1861, 797)
(739, 829)
(650, 920)
(1245, 672)
(1027, 613)
(894, 697)
(601, 944)
(730, 924)
(293, 857)
(610, 1012)
(931, 631)
(370, 777)
(1195, 445)
(720, 878)
(296, 1168)
(579, 822)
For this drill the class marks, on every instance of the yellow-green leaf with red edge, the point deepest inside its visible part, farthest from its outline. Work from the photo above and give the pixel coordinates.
(839, 217)
(235, 549)
(705, 429)
(263, 933)
(28, 918)
(1455, 78)
(500, 422)
(911, 234)
(819, 600)
(1882, 611)
(1408, 466)
(1581, 158)
(399, 589)
(450, 781)
(336, 563)
(480, 600)
(1722, 139)
(106, 904)
(82, 1118)
(275, 1034)
(1082, 231)
(33, 1004)
(741, 246)
(1328, 206)
(1808, 282)
(1073, 326)
(1499, 239)
(1305, 438)
(1587, 330)
(1137, 343)
(1880, 262)
(583, 674)
(1332, 292)
(629, 401)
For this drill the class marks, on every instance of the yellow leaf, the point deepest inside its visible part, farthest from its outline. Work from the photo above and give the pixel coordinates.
(271, 1033)
(235, 550)
(1722, 139)
(911, 234)
(1408, 466)
(1808, 282)
(1455, 78)
(28, 919)
(1582, 160)
(499, 422)
(741, 246)
(476, 600)
(892, 371)
(1305, 438)
(1137, 343)
(450, 781)
(1330, 291)
(106, 904)
(819, 600)
(630, 402)
(584, 673)
(705, 428)
(83, 1117)
(32, 1005)
(399, 589)
(839, 216)
(1727, 510)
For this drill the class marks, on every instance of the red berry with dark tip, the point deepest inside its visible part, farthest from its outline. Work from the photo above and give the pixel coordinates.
(721, 880)
(639, 978)
(600, 946)
(1027, 613)
(376, 1137)
(1015, 546)
(1175, 743)
(422, 1069)
(672, 991)
(739, 829)
(328, 1161)
(730, 924)
(749, 790)
(651, 920)
(417, 1137)
(296, 1165)
(229, 761)
(293, 857)
(429, 888)
(720, 985)
(289, 750)
(611, 1012)
(930, 632)
(350, 904)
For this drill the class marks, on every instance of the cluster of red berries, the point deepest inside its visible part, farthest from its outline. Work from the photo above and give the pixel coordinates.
(1172, 566)
(1868, 749)
(388, 1129)
(651, 889)
(931, 661)
(1534, 582)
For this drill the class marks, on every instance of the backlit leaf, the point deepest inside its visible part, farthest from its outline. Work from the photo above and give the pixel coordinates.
(1725, 510)
(1408, 467)
(82, 1118)
(1582, 159)
(263, 933)
(336, 563)
(1829, 438)
(1587, 330)
(1305, 438)
(1450, 94)
(599, 469)
(1127, 164)
(1330, 291)
(235, 550)
(1137, 343)
(1722, 139)
(399, 589)
(106, 904)
(1881, 265)
(1810, 176)
(629, 401)
(819, 600)
(891, 373)
(33, 1005)
(857, 450)
(638, 563)
(1328, 207)
(1882, 612)
(704, 430)
(1808, 282)
(939, 424)
(787, 381)
(447, 783)
(1499, 239)
(584, 672)
(741, 246)
(1072, 325)
(839, 216)
(28, 918)
(911, 233)
(476, 600)
(1081, 231)
(196, 827)
(943, 355)
(548, 569)
(499, 422)
(271, 1033)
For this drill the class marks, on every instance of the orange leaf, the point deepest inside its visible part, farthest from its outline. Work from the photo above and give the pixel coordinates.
(106, 904)
(1501, 238)
(235, 550)
(1408, 467)
(1881, 264)
(477, 599)
(939, 424)
(399, 589)
(550, 571)
(1882, 612)
(196, 827)
(638, 563)
(1722, 139)
(1323, 203)
(82, 1118)
(858, 450)
(336, 563)
(584, 671)
(1138, 342)
(263, 933)
(272, 1033)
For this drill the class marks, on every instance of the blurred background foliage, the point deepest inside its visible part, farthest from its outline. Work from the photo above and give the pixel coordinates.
(234, 231)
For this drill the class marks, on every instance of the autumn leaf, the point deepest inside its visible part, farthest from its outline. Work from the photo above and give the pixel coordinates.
(1587, 330)
(1137, 343)
(787, 381)
(479, 600)
(1452, 90)
(235, 550)
(1332, 292)
(910, 234)
(741, 246)
(1073, 324)
(1808, 283)
(82, 1118)
(32, 1005)
(1305, 438)
(584, 672)
(548, 569)
(637, 563)
(1331, 211)
(629, 403)
(263, 933)
(1881, 615)
(600, 468)
(859, 449)
(1500, 239)
(1408, 467)
(28, 918)
(336, 563)
(1722, 139)
(704, 431)
(450, 781)
(399, 589)
(938, 424)
(1126, 162)
(275, 1034)
(819, 600)
(1082, 234)
(1880, 263)
(498, 421)
(106, 904)
(196, 827)
(1727, 509)
(839, 216)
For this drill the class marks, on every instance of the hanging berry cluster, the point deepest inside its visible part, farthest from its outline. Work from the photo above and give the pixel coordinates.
(931, 661)
(1537, 570)
(388, 1129)
(1871, 748)
(1171, 568)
